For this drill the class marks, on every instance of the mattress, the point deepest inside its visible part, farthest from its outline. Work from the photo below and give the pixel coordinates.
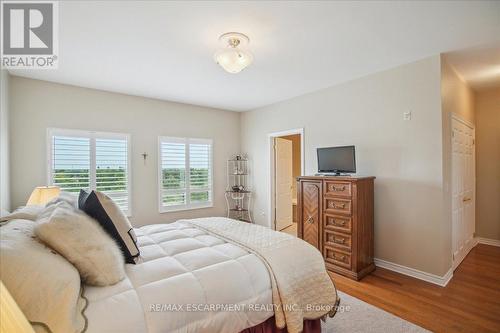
(185, 281)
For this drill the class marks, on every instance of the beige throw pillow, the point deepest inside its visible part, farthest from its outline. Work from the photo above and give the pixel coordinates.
(81, 240)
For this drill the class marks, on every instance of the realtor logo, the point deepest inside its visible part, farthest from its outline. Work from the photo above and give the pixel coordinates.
(29, 34)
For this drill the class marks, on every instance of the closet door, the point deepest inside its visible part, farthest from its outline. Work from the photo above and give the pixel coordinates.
(463, 190)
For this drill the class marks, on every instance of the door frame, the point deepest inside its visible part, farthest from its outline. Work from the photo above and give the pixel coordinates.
(272, 190)
(454, 116)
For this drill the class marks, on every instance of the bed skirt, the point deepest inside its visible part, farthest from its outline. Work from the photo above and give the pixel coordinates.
(269, 326)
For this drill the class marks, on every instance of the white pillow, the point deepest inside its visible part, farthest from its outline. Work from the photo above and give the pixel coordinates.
(30, 212)
(81, 240)
(44, 284)
(33, 212)
(68, 197)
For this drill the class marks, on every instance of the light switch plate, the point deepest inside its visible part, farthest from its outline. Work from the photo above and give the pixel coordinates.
(407, 115)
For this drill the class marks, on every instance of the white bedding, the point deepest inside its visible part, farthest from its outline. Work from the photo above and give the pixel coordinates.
(182, 267)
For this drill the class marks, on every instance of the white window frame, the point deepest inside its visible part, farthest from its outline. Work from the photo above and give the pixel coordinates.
(92, 135)
(188, 205)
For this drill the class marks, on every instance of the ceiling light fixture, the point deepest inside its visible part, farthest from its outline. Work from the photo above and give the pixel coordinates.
(233, 57)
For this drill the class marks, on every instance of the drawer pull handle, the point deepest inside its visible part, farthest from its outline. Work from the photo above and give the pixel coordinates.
(341, 258)
(339, 240)
(339, 223)
(341, 206)
(310, 220)
(338, 189)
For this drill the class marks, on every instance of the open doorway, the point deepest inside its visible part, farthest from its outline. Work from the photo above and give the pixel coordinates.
(286, 165)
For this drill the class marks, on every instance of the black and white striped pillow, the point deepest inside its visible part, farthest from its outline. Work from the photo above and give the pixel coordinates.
(103, 209)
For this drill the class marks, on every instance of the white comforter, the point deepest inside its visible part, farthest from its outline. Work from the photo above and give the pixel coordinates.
(183, 271)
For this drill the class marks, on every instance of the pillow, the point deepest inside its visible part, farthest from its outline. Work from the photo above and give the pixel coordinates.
(52, 206)
(44, 284)
(102, 208)
(30, 212)
(81, 240)
(67, 197)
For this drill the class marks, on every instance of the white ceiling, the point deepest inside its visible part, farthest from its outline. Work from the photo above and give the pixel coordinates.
(165, 49)
(480, 67)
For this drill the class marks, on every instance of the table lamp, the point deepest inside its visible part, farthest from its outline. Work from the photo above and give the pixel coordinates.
(43, 194)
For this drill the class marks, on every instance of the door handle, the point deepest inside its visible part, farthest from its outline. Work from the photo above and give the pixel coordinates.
(466, 199)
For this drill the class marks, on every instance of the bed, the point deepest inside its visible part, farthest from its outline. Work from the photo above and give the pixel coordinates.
(201, 275)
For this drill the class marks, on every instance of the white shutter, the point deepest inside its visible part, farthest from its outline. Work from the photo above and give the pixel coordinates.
(185, 173)
(112, 170)
(200, 171)
(173, 172)
(70, 163)
(91, 161)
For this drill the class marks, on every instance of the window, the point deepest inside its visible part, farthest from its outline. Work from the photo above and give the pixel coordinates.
(91, 161)
(185, 173)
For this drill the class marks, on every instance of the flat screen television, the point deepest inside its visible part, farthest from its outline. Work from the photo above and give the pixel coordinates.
(336, 160)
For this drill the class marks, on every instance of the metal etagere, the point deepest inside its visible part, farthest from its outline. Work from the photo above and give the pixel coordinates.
(238, 193)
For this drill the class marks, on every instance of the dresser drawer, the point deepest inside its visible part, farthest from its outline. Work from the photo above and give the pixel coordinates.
(337, 257)
(338, 188)
(338, 223)
(338, 206)
(338, 240)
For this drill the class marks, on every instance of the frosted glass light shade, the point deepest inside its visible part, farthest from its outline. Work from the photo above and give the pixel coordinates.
(233, 60)
(43, 194)
(234, 57)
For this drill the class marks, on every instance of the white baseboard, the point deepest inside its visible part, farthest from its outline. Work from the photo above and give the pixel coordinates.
(470, 245)
(487, 241)
(435, 279)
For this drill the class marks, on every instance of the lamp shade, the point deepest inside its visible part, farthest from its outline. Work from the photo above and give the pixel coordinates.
(234, 57)
(233, 60)
(43, 194)
(12, 318)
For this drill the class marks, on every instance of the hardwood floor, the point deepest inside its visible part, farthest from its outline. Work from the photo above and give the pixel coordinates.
(469, 303)
(291, 230)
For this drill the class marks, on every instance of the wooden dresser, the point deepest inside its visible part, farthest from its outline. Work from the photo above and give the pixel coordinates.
(335, 214)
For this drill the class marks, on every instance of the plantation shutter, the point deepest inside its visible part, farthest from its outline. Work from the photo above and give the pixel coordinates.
(91, 161)
(185, 173)
(71, 163)
(112, 170)
(173, 172)
(200, 171)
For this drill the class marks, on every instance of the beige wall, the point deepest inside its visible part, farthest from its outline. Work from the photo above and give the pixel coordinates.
(296, 166)
(38, 105)
(4, 142)
(488, 163)
(456, 98)
(405, 156)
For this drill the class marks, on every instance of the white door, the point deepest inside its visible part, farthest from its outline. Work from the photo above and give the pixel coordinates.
(463, 190)
(283, 177)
